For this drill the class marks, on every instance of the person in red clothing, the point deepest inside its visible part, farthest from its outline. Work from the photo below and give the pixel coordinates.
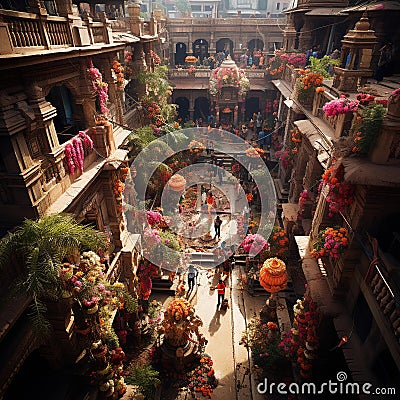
(221, 292)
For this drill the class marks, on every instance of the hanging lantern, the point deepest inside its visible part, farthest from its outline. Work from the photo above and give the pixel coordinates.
(273, 277)
(177, 183)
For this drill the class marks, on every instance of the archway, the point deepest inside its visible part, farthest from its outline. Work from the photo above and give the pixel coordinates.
(60, 97)
(183, 108)
(251, 106)
(200, 49)
(180, 53)
(225, 45)
(255, 44)
(201, 109)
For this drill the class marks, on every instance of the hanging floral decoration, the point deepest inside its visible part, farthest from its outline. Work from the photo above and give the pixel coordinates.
(319, 89)
(100, 87)
(232, 76)
(284, 158)
(75, 152)
(331, 242)
(340, 194)
(119, 73)
(340, 106)
(303, 199)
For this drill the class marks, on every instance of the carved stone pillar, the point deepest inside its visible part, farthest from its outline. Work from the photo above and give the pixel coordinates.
(289, 35)
(64, 7)
(37, 7)
(135, 22)
(305, 36)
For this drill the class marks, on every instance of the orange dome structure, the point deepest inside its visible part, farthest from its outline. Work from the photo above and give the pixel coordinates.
(177, 183)
(273, 277)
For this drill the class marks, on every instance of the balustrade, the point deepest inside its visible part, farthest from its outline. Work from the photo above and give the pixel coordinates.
(27, 31)
(387, 295)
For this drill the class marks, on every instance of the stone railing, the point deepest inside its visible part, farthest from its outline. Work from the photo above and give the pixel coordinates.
(21, 32)
(289, 75)
(387, 295)
(227, 21)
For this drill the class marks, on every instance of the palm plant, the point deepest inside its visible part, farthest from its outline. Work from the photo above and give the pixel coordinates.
(40, 247)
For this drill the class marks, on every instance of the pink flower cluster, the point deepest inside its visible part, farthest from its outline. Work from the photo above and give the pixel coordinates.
(75, 153)
(99, 86)
(153, 217)
(340, 106)
(254, 244)
(297, 60)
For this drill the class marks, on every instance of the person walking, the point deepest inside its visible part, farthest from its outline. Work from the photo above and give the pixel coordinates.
(210, 201)
(217, 227)
(193, 273)
(221, 292)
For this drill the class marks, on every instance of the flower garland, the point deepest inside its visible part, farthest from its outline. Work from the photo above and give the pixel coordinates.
(119, 72)
(75, 152)
(340, 106)
(196, 147)
(100, 87)
(191, 59)
(341, 194)
(254, 152)
(303, 198)
(331, 242)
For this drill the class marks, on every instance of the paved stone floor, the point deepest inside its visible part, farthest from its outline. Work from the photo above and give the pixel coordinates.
(223, 330)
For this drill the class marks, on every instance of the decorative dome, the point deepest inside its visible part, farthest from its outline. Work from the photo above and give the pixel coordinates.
(177, 183)
(228, 74)
(273, 277)
(363, 24)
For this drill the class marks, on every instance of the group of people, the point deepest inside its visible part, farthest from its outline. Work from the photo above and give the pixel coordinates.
(252, 59)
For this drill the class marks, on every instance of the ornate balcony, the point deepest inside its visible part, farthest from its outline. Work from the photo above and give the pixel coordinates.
(22, 32)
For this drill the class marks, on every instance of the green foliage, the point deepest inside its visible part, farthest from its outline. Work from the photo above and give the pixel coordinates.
(369, 126)
(321, 65)
(139, 139)
(183, 6)
(146, 377)
(41, 247)
(170, 240)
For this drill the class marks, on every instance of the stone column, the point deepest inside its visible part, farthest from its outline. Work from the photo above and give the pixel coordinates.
(305, 36)
(289, 35)
(135, 22)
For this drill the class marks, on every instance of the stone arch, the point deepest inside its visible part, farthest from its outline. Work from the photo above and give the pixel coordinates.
(252, 105)
(65, 123)
(200, 49)
(201, 108)
(255, 44)
(183, 108)
(225, 45)
(180, 53)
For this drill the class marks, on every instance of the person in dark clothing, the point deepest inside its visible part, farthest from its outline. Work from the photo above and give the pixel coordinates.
(192, 275)
(217, 227)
